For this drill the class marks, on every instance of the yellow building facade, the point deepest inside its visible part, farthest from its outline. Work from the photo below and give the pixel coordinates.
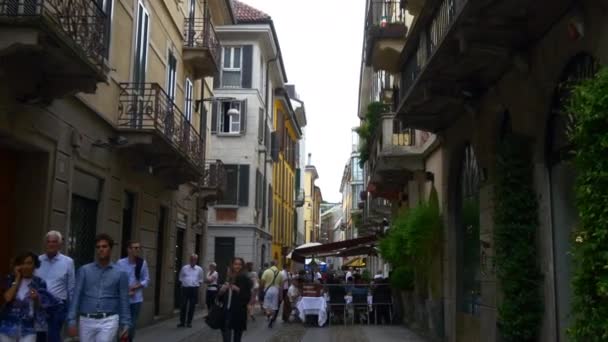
(312, 204)
(285, 154)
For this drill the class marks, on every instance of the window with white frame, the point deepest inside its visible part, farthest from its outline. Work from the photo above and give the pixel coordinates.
(230, 123)
(231, 67)
(188, 92)
(141, 44)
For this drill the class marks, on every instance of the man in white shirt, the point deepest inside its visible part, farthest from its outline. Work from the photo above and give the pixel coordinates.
(286, 303)
(57, 270)
(137, 269)
(349, 274)
(191, 277)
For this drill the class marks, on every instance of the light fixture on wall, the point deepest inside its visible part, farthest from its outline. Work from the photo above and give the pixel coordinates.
(233, 112)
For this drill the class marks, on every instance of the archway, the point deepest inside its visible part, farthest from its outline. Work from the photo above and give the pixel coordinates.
(468, 274)
(564, 216)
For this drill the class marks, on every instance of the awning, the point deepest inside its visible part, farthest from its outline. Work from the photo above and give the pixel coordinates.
(340, 248)
(357, 262)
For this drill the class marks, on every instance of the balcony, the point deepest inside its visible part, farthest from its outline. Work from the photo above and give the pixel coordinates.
(396, 153)
(52, 48)
(161, 140)
(212, 185)
(201, 46)
(385, 34)
(457, 49)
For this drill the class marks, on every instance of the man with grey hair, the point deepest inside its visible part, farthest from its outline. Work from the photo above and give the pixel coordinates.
(57, 270)
(191, 277)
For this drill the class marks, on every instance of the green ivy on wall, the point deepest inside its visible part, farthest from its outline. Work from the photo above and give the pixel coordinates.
(515, 232)
(368, 128)
(589, 104)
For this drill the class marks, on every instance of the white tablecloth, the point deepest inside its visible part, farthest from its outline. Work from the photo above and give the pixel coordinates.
(313, 306)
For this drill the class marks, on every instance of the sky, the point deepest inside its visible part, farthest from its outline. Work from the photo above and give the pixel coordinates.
(321, 43)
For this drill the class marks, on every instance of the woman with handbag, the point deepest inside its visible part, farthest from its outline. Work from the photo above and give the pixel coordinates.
(26, 299)
(235, 295)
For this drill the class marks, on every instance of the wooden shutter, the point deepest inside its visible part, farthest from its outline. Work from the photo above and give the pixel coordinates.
(243, 199)
(243, 116)
(214, 114)
(261, 126)
(270, 202)
(274, 143)
(246, 68)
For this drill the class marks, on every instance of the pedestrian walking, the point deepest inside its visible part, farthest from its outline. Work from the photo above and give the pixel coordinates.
(260, 273)
(211, 281)
(26, 300)
(137, 269)
(253, 276)
(236, 295)
(57, 271)
(191, 278)
(271, 283)
(286, 281)
(101, 298)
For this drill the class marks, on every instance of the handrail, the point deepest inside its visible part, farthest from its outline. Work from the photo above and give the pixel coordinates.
(82, 21)
(214, 175)
(200, 33)
(147, 107)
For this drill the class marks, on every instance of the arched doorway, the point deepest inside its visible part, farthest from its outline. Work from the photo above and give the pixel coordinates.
(468, 283)
(564, 216)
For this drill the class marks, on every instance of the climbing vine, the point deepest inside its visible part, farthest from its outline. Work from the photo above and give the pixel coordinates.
(368, 128)
(589, 104)
(516, 227)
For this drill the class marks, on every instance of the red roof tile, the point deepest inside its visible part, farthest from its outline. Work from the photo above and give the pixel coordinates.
(247, 14)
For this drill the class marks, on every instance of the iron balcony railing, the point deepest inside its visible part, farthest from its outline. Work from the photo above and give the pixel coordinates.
(81, 21)
(382, 13)
(300, 197)
(214, 176)
(146, 107)
(200, 33)
(426, 37)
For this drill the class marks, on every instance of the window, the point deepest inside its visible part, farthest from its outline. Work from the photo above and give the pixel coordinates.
(188, 99)
(141, 45)
(171, 75)
(261, 125)
(106, 7)
(231, 67)
(237, 185)
(230, 123)
(262, 75)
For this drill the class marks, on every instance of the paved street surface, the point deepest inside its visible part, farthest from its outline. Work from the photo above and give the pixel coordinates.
(282, 332)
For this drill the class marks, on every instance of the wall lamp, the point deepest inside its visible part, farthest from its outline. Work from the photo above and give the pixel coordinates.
(198, 103)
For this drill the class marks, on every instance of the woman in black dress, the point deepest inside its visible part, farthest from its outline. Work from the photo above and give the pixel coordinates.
(236, 294)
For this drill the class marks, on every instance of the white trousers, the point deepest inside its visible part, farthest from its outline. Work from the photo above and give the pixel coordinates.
(99, 330)
(27, 338)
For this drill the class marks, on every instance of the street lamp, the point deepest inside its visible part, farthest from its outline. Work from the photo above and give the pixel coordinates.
(233, 112)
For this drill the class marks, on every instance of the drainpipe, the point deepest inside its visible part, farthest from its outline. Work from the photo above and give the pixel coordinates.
(266, 105)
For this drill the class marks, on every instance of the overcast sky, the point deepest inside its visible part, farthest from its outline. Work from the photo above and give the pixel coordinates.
(321, 43)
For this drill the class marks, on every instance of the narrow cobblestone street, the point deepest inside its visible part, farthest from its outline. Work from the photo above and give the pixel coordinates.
(258, 332)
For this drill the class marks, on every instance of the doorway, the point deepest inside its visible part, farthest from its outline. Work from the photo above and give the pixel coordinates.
(8, 172)
(160, 251)
(83, 227)
(128, 217)
(224, 253)
(179, 257)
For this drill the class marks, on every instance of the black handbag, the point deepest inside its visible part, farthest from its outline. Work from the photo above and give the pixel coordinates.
(218, 314)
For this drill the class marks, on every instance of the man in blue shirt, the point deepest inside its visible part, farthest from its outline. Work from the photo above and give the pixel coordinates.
(57, 270)
(101, 298)
(137, 269)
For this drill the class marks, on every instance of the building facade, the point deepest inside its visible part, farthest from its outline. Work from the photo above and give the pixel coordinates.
(242, 136)
(312, 206)
(104, 129)
(506, 81)
(285, 151)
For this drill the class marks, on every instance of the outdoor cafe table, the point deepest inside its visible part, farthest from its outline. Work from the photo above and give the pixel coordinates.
(313, 306)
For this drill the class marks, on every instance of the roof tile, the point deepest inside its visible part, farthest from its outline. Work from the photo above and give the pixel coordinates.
(247, 14)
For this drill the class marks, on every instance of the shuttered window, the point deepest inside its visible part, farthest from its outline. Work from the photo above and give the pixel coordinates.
(141, 44)
(237, 186)
(189, 92)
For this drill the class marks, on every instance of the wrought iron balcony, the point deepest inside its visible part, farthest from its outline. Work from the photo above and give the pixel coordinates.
(51, 48)
(456, 49)
(161, 135)
(213, 183)
(201, 46)
(385, 34)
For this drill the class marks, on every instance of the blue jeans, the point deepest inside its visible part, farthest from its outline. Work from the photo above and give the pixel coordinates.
(56, 317)
(135, 308)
